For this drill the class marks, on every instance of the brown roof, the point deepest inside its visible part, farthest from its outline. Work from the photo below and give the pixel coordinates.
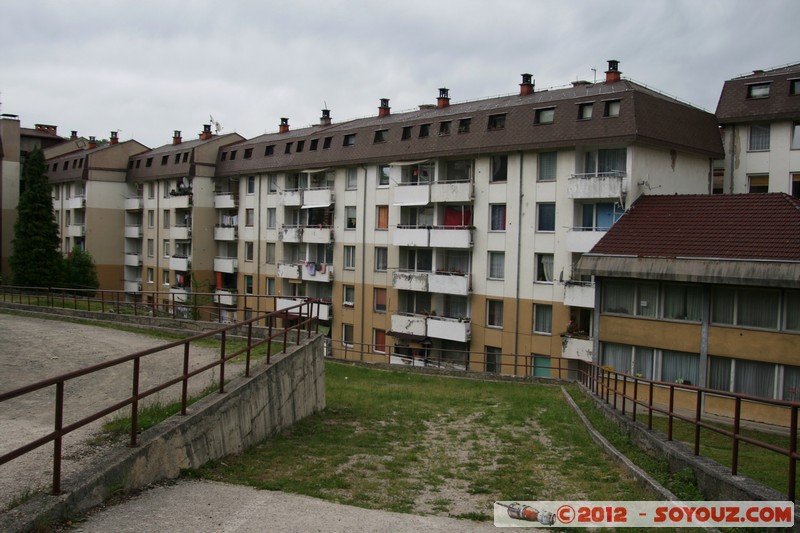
(734, 106)
(733, 227)
(646, 116)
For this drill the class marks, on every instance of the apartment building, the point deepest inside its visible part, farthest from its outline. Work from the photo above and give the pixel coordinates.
(450, 233)
(88, 189)
(759, 114)
(703, 290)
(169, 217)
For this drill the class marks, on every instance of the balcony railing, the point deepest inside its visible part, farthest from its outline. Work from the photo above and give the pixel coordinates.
(180, 262)
(410, 324)
(597, 185)
(76, 230)
(135, 203)
(322, 310)
(317, 234)
(454, 329)
(225, 297)
(451, 191)
(292, 197)
(132, 285)
(292, 234)
(133, 231)
(451, 237)
(133, 259)
(76, 202)
(579, 294)
(576, 347)
(229, 265)
(224, 200)
(181, 233)
(225, 233)
(317, 198)
(405, 235)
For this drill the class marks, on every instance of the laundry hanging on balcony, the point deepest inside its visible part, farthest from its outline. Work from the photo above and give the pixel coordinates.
(311, 268)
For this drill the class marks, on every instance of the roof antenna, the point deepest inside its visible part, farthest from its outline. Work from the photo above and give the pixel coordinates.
(594, 72)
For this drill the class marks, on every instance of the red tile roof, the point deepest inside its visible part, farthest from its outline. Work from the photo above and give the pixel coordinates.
(737, 226)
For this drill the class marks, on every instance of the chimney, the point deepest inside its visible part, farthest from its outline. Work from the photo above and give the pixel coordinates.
(206, 132)
(74, 135)
(114, 138)
(527, 85)
(92, 142)
(325, 119)
(384, 110)
(613, 73)
(444, 98)
(176, 137)
(284, 127)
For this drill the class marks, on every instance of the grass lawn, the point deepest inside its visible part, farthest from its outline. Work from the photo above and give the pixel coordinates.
(408, 442)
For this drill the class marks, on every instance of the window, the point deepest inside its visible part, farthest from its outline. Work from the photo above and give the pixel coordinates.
(585, 110)
(177, 158)
(164, 160)
(546, 217)
(151, 217)
(496, 122)
(600, 216)
(166, 248)
(272, 183)
(758, 183)
(680, 367)
(272, 218)
(313, 146)
(545, 116)
(165, 278)
(349, 140)
(249, 216)
(541, 365)
(150, 275)
(497, 217)
(444, 127)
(383, 175)
(544, 268)
(288, 148)
(683, 302)
(269, 150)
(350, 217)
(251, 184)
(271, 286)
(612, 108)
(347, 335)
(497, 265)
(248, 153)
(349, 296)
(382, 217)
(165, 219)
(494, 313)
(796, 136)
(379, 340)
(543, 318)
(381, 258)
(464, 124)
(757, 308)
(796, 185)
(270, 251)
(380, 136)
(759, 137)
(758, 90)
(300, 146)
(380, 300)
(794, 86)
(248, 284)
(493, 359)
(351, 179)
(233, 155)
(547, 166)
(406, 133)
(151, 190)
(349, 257)
(149, 162)
(499, 168)
(248, 251)
(424, 130)
(150, 247)
(326, 142)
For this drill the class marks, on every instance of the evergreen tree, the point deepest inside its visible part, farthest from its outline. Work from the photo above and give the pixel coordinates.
(35, 259)
(80, 271)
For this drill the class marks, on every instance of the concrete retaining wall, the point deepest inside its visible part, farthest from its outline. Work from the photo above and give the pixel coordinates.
(251, 410)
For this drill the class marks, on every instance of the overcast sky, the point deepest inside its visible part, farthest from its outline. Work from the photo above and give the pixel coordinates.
(148, 67)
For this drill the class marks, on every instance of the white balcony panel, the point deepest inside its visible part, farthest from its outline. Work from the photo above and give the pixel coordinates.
(579, 295)
(180, 233)
(179, 263)
(451, 238)
(317, 198)
(224, 201)
(411, 237)
(576, 348)
(224, 297)
(134, 204)
(317, 235)
(133, 232)
(133, 259)
(293, 198)
(76, 230)
(449, 284)
(449, 329)
(179, 295)
(289, 270)
(410, 281)
(320, 309)
(182, 201)
(223, 233)
(582, 241)
(229, 265)
(132, 285)
(409, 324)
(76, 202)
(451, 191)
(291, 234)
(411, 194)
(317, 272)
(596, 186)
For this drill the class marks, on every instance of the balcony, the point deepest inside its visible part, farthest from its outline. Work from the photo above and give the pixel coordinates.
(449, 283)
(289, 270)
(579, 294)
(225, 297)
(322, 310)
(317, 234)
(580, 240)
(76, 202)
(134, 204)
(291, 234)
(452, 329)
(179, 294)
(320, 272)
(180, 201)
(451, 237)
(76, 230)
(181, 233)
(224, 200)
(133, 259)
(596, 185)
(410, 281)
(410, 324)
(451, 191)
(576, 348)
(411, 236)
(226, 233)
(180, 262)
(229, 265)
(293, 198)
(132, 285)
(133, 232)
(411, 194)
(317, 198)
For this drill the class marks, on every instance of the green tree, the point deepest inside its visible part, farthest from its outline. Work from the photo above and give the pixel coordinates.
(35, 258)
(80, 271)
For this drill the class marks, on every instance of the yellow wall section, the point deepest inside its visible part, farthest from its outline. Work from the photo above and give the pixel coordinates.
(657, 333)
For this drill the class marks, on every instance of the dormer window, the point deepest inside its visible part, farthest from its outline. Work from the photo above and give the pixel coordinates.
(380, 136)
(612, 108)
(794, 86)
(585, 110)
(424, 130)
(349, 140)
(545, 116)
(444, 128)
(758, 90)
(496, 122)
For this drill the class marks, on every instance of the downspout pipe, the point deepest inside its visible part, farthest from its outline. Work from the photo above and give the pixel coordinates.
(519, 262)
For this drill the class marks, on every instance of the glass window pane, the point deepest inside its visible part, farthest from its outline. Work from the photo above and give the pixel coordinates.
(722, 302)
(754, 378)
(546, 220)
(618, 296)
(547, 166)
(679, 367)
(719, 374)
(757, 308)
(647, 301)
(617, 356)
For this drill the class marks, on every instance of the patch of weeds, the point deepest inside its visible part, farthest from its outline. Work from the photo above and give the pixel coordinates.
(477, 517)
(21, 498)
